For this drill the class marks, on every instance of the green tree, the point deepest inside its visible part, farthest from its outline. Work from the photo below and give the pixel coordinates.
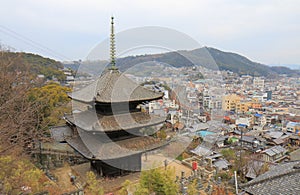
(192, 188)
(53, 101)
(159, 181)
(93, 186)
(20, 176)
(170, 187)
(126, 185)
(238, 160)
(229, 154)
(141, 191)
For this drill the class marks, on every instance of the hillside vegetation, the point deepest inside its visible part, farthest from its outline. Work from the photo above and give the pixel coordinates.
(209, 58)
(35, 63)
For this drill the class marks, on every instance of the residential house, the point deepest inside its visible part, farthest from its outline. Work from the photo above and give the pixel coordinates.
(221, 140)
(274, 154)
(250, 142)
(244, 120)
(260, 120)
(258, 83)
(221, 164)
(294, 140)
(293, 127)
(202, 150)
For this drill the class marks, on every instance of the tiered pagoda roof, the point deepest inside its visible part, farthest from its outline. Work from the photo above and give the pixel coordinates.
(100, 133)
(91, 121)
(114, 87)
(95, 146)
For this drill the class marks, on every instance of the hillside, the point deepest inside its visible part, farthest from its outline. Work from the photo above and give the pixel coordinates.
(34, 63)
(210, 58)
(242, 65)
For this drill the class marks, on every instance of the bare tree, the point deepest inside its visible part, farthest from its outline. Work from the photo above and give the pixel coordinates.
(19, 118)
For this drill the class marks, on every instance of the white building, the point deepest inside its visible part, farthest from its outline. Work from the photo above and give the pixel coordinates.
(259, 83)
(244, 121)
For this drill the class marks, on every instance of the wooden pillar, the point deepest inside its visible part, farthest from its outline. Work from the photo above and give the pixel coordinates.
(101, 171)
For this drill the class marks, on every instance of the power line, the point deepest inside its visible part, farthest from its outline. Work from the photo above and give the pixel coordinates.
(32, 43)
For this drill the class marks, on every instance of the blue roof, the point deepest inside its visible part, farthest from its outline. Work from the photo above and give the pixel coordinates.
(293, 124)
(242, 125)
(258, 115)
(204, 133)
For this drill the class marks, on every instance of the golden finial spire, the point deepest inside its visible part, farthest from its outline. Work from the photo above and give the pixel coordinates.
(112, 46)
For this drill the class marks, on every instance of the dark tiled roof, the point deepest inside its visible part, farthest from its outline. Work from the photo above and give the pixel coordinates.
(202, 150)
(248, 139)
(58, 133)
(275, 134)
(275, 150)
(237, 132)
(94, 146)
(113, 86)
(77, 144)
(295, 155)
(254, 167)
(282, 179)
(278, 141)
(221, 164)
(90, 121)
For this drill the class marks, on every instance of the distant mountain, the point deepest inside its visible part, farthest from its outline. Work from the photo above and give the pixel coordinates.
(238, 64)
(284, 70)
(291, 66)
(210, 58)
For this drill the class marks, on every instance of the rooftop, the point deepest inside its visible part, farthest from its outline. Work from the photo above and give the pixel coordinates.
(275, 150)
(113, 87)
(282, 179)
(98, 147)
(91, 121)
(59, 132)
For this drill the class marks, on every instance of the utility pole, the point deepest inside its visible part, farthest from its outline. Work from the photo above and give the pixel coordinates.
(240, 150)
(188, 118)
(236, 184)
(182, 182)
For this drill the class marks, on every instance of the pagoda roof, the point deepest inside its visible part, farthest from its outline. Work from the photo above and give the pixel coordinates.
(114, 87)
(91, 121)
(95, 146)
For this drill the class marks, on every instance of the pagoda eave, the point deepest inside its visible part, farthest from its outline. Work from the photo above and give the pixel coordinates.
(114, 150)
(116, 101)
(93, 122)
(107, 101)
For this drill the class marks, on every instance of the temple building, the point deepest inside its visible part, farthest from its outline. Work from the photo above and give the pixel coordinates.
(110, 132)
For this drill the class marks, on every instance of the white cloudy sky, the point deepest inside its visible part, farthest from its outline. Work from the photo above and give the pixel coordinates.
(264, 31)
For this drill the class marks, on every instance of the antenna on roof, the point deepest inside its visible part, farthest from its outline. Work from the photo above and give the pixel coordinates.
(112, 46)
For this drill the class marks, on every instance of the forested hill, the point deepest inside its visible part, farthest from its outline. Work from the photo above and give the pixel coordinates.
(36, 64)
(242, 65)
(208, 57)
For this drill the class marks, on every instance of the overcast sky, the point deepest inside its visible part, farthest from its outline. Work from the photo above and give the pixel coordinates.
(264, 31)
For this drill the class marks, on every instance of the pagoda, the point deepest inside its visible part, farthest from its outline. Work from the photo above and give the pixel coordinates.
(109, 132)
